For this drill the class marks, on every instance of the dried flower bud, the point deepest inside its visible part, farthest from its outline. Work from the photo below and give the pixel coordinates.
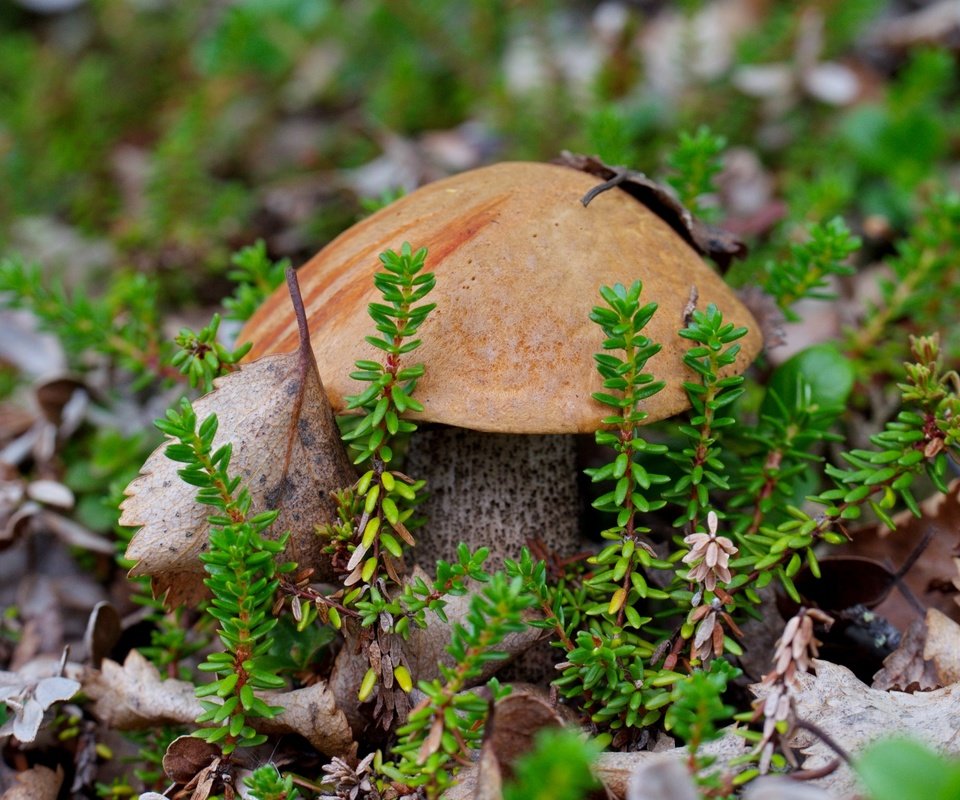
(710, 555)
(797, 646)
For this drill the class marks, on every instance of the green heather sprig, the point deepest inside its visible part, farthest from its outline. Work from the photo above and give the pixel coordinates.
(387, 498)
(924, 286)
(604, 666)
(696, 715)
(417, 596)
(439, 733)
(202, 358)
(703, 471)
(243, 576)
(805, 273)
(266, 783)
(917, 442)
(122, 326)
(625, 386)
(696, 161)
(256, 277)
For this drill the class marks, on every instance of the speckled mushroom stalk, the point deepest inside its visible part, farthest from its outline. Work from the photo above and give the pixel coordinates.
(499, 490)
(508, 350)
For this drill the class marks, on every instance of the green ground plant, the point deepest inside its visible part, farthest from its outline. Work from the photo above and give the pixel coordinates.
(701, 514)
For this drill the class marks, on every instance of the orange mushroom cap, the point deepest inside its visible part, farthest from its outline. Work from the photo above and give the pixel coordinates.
(519, 262)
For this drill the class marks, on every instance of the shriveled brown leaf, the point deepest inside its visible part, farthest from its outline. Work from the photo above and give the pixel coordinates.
(186, 756)
(511, 727)
(906, 667)
(286, 450)
(488, 776)
(133, 696)
(37, 783)
(103, 632)
(722, 246)
(515, 722)
(855, 715)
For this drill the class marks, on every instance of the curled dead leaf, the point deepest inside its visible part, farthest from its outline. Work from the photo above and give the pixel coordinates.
(133, 696)
(905, 669)
(286, 450)
(186, 756)
(709, 240)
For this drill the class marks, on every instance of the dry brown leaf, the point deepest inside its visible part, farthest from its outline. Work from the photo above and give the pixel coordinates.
(855, 715)
(906, 667)
(37, 783)
(186, 756)
(103, 632)
(516, 720)
(488, 783)
(133, 696)
(511, 728)
(286, 449)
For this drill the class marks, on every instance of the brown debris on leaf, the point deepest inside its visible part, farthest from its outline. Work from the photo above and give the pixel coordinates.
(133, 697)
(286, 450)
(708, 240)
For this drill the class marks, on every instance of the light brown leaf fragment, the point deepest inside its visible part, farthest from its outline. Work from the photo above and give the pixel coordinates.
(942, 646)
(133, 696)
(37, 783)
(777, 787)
(662, 778)
(489, 778)
(286, 450)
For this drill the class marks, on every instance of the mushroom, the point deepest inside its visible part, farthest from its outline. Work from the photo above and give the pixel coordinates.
(508, 351)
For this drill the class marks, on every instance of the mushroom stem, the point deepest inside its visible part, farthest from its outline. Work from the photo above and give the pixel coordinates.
(497, 490)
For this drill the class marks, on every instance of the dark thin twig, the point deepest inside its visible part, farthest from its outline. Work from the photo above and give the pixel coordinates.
(814, 774)
(825, 737)
(620, 175)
